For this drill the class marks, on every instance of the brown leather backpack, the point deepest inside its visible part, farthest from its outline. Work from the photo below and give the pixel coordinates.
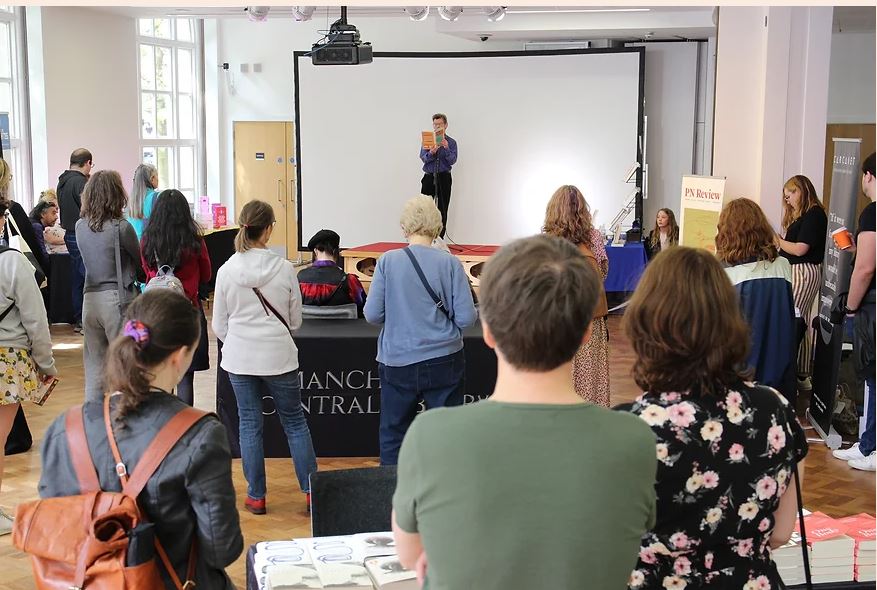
(81, 542)
(602, 308)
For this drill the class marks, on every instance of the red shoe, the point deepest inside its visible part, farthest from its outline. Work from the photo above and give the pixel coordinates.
(255, 506)
(308, 502)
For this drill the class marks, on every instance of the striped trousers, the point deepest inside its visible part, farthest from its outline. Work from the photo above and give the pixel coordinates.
(806, 280)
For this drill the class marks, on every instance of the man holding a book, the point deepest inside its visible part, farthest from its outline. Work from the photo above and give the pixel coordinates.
(519, 491)
(438, 152)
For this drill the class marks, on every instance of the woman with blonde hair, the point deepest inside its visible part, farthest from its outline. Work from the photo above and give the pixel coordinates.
(665, 234)
(420, 295)
(726, 448)
(568, 216)
(143, 195)
(20, 222)
(803, 245)
(763, 280)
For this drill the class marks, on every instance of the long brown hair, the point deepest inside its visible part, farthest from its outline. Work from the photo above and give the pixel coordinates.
(568, 216)
(672, 229)
(809, 199)
(685, 325)
(744, 234)
(254, 219)
(171, 323)
(103, 199)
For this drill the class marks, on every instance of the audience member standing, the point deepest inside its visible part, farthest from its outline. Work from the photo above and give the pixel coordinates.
(804, 225)
(256, 306)
(726, 448)
(421, 296)
(568, 216)
(173, 239)
(21, 220)
(71, 183)
(111, 256)
(531, 488)
(143, 194)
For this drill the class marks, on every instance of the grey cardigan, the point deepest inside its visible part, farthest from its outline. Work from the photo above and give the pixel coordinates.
(191, 492)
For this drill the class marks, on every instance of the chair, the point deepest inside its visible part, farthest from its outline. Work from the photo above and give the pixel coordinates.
(326, 312)
(349, 501)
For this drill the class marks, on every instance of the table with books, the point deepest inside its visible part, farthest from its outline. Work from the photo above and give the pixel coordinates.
(352, 562)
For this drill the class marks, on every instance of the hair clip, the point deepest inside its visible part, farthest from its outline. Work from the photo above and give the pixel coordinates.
(138, 331)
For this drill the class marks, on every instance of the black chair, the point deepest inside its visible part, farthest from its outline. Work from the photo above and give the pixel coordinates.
(349, 501)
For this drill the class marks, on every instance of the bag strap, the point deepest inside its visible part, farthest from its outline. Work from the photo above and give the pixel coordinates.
(266, 305)
(807, 577)
(440, 305)
(118, 255)
(80, 456)
(11, 305)
(155, 453)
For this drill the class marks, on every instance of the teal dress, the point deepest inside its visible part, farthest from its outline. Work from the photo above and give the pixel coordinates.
(140, 224)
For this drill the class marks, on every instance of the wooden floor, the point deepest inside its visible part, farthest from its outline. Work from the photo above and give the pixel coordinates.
(830, 486)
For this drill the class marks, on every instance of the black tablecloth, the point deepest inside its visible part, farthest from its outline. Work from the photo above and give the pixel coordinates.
(220, 247)
(60, 306)
(341, 388)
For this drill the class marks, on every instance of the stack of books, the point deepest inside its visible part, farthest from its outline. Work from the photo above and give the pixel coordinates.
(789, 560)
(861, 528)
(353, 562)
(832, 551)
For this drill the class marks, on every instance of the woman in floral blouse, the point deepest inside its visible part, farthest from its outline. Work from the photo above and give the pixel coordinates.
(726, 447)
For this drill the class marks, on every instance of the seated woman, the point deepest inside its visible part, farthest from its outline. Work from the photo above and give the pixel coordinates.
(191, 496)
(726, 448)
(665, 234)
(324, 283)
(763, 280)
(42, 217)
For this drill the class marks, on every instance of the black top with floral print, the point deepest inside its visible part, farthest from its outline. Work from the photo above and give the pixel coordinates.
(723, 464)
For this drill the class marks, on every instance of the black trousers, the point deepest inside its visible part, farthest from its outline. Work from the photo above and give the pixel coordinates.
(442, 198)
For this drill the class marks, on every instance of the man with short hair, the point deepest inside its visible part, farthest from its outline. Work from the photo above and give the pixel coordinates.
(437, 163)
(532, 488)
(70, 185)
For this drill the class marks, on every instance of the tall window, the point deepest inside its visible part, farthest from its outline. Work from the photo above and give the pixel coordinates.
(169, 101)
(14, 105)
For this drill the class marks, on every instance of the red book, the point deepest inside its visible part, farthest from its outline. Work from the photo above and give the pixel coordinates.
(861, 528)
(220, 218)
(827, 537)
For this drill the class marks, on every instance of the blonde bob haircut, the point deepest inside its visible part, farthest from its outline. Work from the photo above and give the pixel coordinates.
(420, 217)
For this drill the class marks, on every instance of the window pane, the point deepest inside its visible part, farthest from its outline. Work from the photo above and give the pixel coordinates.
(164, 162)
(5, 51)
(147, 67)
(163, 69)
(187, 117)
(184, 70)
(184, 30)
(162, 28)
(145, 25)
(147, 114)
(149, 155)
(187, 167)
(164, 115)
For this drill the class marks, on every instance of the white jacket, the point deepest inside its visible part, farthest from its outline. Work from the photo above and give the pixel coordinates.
(25, 326)
(256, 342)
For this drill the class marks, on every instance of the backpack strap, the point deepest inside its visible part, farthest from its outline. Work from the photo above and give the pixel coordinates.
(80, 456)
(155, 453)
(439, 304)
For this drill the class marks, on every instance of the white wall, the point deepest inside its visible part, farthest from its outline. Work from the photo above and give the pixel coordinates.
(89, 84)
(851, 90)
(269, 95)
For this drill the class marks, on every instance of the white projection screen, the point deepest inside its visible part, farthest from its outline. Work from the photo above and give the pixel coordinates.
(525, 123)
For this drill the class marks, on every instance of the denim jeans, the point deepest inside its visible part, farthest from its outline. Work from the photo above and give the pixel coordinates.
(77, 274)
(866, 441)
(285, 390)
(438, 382)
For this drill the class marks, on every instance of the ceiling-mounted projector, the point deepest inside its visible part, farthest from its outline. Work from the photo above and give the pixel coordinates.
(342, 46)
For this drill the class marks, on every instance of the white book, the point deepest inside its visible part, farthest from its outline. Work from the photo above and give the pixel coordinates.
(866, 574)
(338, 563)
(846, 561)
(292, 577)
(271, 554)
(387, 573)
(822, 575)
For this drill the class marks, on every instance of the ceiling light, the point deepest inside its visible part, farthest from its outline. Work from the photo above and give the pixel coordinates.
(450, 12)
(417, 13)
(572, 10)
(495, 13)
(303, 13)
(257, 13)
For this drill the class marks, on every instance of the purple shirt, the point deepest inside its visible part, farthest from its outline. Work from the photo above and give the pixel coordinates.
(444, 158)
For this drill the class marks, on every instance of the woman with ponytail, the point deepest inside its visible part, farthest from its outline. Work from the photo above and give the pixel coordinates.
(143, 195)
(256, 306)
(191, 495)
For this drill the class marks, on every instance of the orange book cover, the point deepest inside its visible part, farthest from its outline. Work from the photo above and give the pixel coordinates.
(860, 527)
(428, 139)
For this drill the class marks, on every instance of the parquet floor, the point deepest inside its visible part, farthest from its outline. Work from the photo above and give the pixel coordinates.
(830, 486)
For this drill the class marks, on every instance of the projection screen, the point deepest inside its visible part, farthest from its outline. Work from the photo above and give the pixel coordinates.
(525, 123)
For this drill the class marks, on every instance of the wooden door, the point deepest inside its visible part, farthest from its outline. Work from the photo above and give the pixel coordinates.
(260, 172)
(292, 194)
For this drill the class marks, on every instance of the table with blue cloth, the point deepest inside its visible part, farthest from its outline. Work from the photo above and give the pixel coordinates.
(626, 266)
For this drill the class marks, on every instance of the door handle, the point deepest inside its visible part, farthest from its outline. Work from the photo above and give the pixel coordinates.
(279, 193)
(292, 191)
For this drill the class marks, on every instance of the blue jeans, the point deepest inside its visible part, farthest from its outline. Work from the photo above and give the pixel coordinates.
(285, 390)
(866, 441)
(438, 382)
(77, 274)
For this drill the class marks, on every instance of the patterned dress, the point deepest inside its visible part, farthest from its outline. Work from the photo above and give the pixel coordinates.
(723, 464)
(591, 363)
(19, 380)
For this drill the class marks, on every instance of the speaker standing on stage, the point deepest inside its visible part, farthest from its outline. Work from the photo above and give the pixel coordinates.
(437, 163)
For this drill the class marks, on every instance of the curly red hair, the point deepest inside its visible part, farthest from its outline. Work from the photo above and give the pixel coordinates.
(744, 234)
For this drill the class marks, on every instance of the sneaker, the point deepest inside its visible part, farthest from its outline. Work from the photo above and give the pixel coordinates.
(868, 463)
(77, 327)
(850, 454)
(255, 506)
(5, 523)
(805, 384)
